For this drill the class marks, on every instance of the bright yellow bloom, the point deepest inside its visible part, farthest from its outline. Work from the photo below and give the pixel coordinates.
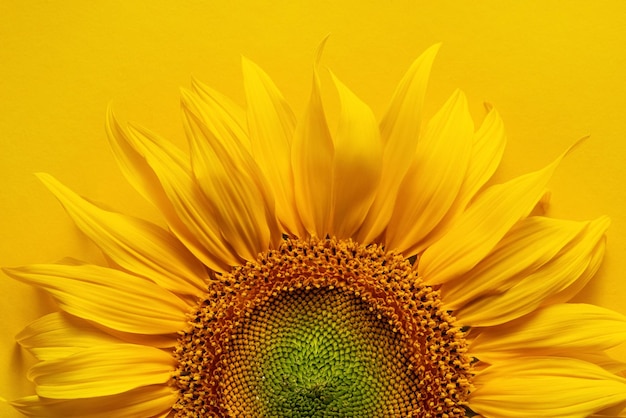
(374, 271)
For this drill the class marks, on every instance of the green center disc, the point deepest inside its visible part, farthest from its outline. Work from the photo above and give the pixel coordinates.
(318, 353)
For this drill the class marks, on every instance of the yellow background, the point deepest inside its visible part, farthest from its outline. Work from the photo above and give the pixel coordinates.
(555, 70)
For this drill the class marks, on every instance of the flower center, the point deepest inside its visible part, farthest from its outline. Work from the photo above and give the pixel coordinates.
(322, 328)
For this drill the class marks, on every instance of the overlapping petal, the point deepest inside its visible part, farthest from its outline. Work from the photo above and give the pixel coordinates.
(271, 124)
(162, 174)
(134, 244)
(231, 116)
(477, 230)
(487, 148)
(529, 245)
(312, 155)
(58, 335)
(358, 155)
(230, 180)
(434, 178)
(101, 370)
(570, 268)
(545, 387)
(400, 131)
(146, 401)
(561, 328)
(109, 297)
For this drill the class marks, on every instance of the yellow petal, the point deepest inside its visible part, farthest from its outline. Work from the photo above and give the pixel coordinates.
(571, 267)
(134, 244)
(550, 387)
(477, 231)
(357, 164)
(230, 180)
(553, 329)
(230, 114)
(312, 161)
(434, 178)
(191, 208)
(147, 401)
(525, 248)
(617, 411)
(171, 189)
(101, 371)
(400, 130)
(108, 297)
(59, 335)
(270, 126)
(487, 149)
(134, 166)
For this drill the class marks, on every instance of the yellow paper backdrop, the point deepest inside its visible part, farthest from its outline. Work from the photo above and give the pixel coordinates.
(555, 70)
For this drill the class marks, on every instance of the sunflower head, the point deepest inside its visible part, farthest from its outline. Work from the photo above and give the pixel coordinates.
(369, 270)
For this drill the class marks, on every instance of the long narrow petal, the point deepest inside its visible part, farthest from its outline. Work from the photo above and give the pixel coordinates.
(147, 401)
(271, 125)
(617, 411)
(572, 267)
(487, 149)
(230, 180)
(312, 161)
(553, 329)
(550, 387)
(59, 335)
(134, 166)
(134, 244)
(487, 220)
(357, 164)
(529, 245)
(434, 179)
(101, 371)
(232, 116)
(108, 297)
(174, 172)
(171, 189)
(400, 130)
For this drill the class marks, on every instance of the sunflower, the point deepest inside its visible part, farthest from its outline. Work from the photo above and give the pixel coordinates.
(372, 272)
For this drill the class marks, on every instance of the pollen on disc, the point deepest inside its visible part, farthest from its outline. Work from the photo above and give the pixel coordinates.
(319, 353)
(322, 328)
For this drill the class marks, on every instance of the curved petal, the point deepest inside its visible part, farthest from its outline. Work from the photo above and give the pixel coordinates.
(59, 335)
(101, 371)
(551, 387)
(400, 130)
(147, 401)
(357, 164)
(270, 126)
(434, 178)
(231, 182)
(134, 244)
(134, 166)
(553, 329)
(528, 246)
(571, 267)
(312, 161)
(617, 411)
(232, 116)
(174, 172)
(477, 230)
(487, 149)
(161, 173)
(108, 297)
